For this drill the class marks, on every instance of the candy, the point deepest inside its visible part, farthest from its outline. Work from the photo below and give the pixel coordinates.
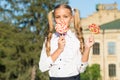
(61, 29)
(94, 28)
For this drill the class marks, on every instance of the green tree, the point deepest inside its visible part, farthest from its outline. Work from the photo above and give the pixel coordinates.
(23, 28)
(95, 71)
(92, 73)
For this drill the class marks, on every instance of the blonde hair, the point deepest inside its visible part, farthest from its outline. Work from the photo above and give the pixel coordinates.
(78, 28)
(50, 30)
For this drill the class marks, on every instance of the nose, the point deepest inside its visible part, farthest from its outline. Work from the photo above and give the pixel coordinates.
(61, 18)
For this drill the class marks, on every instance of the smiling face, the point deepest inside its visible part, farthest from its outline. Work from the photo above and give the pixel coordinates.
(63, 16)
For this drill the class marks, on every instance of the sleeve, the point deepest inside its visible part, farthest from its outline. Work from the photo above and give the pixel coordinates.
(45, 62)
(81, 65)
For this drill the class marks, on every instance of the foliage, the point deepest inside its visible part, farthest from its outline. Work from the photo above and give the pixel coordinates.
(18, 53)
(23, 28)
(91, 73)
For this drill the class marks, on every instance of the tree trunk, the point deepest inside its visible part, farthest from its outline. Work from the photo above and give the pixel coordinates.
(33, 73)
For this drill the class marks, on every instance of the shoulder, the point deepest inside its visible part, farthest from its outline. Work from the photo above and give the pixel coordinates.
(72, 34)
(54, 35)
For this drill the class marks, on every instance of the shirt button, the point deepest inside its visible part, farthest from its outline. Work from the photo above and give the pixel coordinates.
(60, 59)
(59, 68)
(81, 64)
(50, 64)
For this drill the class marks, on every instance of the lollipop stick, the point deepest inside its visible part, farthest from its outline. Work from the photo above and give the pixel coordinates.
(92, 34)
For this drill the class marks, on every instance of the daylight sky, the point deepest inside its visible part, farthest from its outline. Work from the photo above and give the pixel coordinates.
(88, 7)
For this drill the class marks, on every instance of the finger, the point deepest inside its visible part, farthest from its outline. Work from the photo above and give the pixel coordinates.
(91, 38)
(62, 37)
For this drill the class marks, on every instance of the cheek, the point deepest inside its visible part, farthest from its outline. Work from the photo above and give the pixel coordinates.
(57, 20)
(68, 22)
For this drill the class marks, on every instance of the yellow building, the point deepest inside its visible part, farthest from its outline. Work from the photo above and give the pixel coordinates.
(106, 50)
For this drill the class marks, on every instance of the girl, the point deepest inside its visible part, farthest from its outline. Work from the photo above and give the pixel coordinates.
(65, 56)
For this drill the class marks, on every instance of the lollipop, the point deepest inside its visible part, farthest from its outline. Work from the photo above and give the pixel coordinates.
(94, 28)
(61, 29)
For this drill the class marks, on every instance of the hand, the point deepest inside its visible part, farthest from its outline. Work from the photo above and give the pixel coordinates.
(90, 41)
(61, 43)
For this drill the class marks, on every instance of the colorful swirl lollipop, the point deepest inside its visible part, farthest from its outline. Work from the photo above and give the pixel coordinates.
(61, 29)
(94, 28)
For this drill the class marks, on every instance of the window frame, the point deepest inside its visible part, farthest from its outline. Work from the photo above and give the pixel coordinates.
(112, 70)
(96, 48)
(111, 48)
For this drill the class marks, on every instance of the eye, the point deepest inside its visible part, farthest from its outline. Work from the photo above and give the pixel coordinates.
(57, 16)
(65, 16)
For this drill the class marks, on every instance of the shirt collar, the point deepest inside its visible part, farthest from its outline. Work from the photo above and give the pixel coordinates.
(69, 34)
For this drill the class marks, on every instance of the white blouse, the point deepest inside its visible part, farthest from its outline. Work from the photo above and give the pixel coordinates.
(69, 61)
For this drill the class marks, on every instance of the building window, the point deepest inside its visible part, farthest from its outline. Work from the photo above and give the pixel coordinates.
(96, 49)
(112, 70)
(111, 48)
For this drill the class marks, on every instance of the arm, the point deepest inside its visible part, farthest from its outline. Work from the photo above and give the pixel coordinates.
(61, 45)
(46, 62)
(85, 55)
(88, 46)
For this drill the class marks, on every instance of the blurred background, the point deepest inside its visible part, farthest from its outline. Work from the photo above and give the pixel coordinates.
(23, 27)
